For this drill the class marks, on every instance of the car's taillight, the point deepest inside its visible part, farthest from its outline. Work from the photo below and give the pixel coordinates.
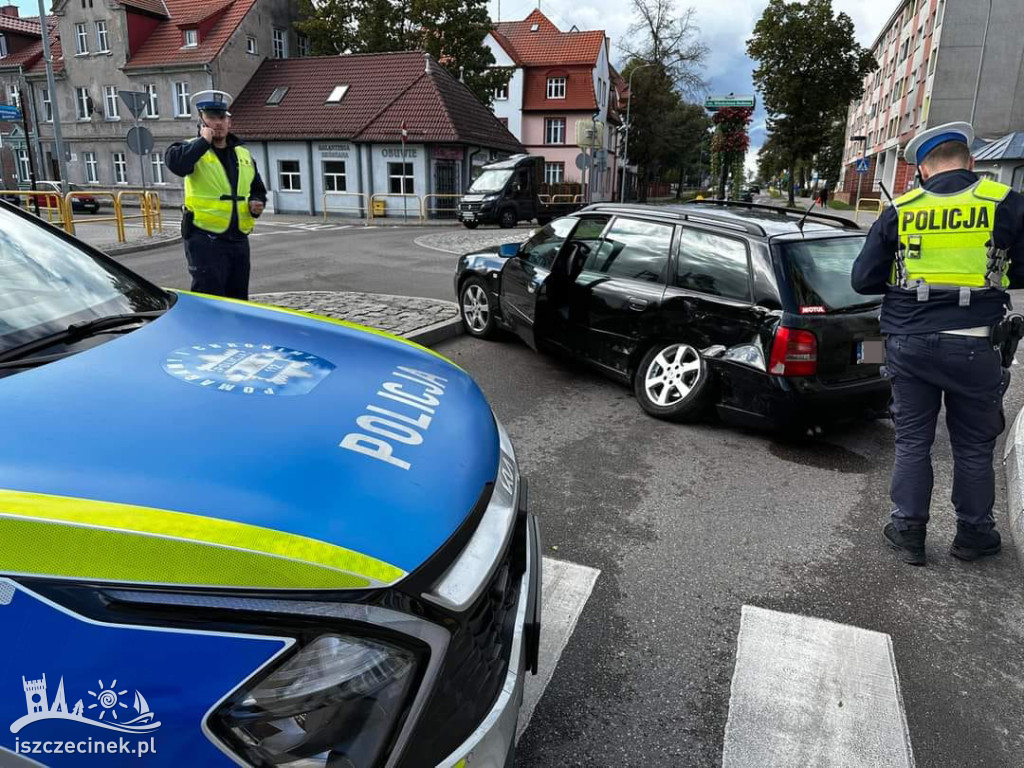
(794, 353)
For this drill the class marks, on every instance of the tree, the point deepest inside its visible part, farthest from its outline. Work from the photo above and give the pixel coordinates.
(452, 31)
(809, 67)
(829, 161)
(729, 147)
(650, 135)
(661, 37)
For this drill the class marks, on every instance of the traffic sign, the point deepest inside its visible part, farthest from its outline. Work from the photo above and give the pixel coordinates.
(140, 140)
(136, 101)
(863, 165)
(719, 101)
(9, 113)
(581, 161)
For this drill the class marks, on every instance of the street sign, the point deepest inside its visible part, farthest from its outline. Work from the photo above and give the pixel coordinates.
(589, 134)
(136, 102)
(863, 165)
(721, 101)
(581, 161)
(9, 113)
(140, 140)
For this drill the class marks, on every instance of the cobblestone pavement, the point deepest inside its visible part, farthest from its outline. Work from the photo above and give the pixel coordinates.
(400, 315)
(463, 240)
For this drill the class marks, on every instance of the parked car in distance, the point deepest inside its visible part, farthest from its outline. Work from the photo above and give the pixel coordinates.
(508, 192)
(85, 202)
(745, 307)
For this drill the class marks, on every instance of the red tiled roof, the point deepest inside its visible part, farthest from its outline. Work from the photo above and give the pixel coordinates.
(548, 45)
(579, 89)
(385, 90)
(31, 57)
(155, 7)
(24, 25)
(164, 46)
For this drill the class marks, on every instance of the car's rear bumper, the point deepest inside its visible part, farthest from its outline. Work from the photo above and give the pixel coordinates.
(491, 742)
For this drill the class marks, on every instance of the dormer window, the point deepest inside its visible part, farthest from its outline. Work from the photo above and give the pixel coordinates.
(337, 94)
(3, 47)
(556, 87)
(191, 38)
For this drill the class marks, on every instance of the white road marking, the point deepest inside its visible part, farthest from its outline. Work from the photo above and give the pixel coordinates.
(565, 589)
(811, 692)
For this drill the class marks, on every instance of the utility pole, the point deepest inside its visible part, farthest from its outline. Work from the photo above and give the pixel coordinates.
(51, 83)
(629, 126)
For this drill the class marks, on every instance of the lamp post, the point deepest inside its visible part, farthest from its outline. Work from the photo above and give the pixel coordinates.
(860, 176)
(625, 150)
(58, 139)
(981, 62)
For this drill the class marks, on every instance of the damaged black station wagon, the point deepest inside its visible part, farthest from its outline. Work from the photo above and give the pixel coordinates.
(744, 307)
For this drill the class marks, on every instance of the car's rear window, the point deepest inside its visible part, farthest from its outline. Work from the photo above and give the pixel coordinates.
(819, 273)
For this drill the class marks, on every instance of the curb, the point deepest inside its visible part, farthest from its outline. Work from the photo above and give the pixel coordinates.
(1013, 463)
(430, 335)
(128, 249)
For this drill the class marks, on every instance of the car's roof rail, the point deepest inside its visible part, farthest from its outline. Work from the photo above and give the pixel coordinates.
(827, 218)
(705, 217)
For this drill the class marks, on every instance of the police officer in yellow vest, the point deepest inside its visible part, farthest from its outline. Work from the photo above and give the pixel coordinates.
(943, 256)
(224, 194)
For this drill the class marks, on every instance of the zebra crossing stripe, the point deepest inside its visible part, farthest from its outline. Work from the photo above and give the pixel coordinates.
(811, 692)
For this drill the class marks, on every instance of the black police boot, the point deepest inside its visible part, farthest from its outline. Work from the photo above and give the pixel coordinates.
(972, 543)
(909, 544)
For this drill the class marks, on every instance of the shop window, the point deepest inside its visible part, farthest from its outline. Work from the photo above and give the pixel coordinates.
(334, 176)
(400, 179)
(289, 176)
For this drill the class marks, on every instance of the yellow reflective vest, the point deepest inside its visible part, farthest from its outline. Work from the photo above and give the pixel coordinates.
(209, 196)
(943, 239)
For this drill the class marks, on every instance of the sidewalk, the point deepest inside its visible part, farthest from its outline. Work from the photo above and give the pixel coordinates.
(425, 321)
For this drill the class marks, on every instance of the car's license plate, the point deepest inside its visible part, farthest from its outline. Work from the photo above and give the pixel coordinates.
(871, 352)
(468, 216)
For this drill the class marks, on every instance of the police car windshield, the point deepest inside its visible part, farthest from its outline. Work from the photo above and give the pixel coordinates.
(47, 283)
(819, 273)
(490, 181)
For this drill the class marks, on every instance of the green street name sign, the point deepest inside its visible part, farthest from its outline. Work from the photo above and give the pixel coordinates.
(731, 100)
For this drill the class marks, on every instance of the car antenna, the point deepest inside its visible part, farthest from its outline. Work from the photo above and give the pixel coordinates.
(800, 224)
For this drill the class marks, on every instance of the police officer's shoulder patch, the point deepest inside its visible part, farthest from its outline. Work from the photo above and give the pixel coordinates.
(987, 189)
(909, 197)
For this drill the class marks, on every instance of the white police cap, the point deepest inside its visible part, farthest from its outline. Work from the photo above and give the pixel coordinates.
(919, 146)
(212, 101)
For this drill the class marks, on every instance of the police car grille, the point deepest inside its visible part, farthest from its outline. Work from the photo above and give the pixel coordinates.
(476, 665)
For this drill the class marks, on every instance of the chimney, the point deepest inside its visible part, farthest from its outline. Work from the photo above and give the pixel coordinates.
(426, 60)
(9, 10)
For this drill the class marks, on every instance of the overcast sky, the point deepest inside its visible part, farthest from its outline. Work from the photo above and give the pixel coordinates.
(725, 25)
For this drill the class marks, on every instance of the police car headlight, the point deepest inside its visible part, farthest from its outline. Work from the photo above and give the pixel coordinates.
(334, 703)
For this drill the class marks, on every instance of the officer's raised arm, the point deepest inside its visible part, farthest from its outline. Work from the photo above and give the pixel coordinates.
(181, 157)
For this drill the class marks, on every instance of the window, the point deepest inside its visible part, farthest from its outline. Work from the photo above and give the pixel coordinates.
(632, 249)
(1018, 178)
(110, 102)
(501, 93)
(153, 102)
(289, 176)
(541, 249)
(556, 87)
(120, 168)
(3, 47)
(47, 106)
(13, 96)
(554, 173)
(400, 179)
(83, 104)
(277, 95)
(24, 166)
(334, 175)
(554, 130)
(81, 39)
(939, 12)
(181, 96)
(280, 44)
(251, 46)
(191, 38)
(337, 94)
(931, 61)
(91, 169)
(302, 44)
(156, 161)
(713, 264)
(102, 38)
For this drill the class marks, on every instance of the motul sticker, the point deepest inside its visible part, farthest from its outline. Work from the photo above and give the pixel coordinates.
(812, 310)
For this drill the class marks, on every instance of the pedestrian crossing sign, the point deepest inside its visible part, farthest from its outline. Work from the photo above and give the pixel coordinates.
(863, 165)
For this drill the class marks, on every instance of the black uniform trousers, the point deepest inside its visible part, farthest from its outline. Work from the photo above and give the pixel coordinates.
(966, 372)
(219, 266)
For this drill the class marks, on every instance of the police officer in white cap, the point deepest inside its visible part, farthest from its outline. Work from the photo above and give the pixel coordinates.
(943, 256)
(224, 194)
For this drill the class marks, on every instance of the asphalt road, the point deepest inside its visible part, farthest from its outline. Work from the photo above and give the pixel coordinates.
(689, 523)
(374, 260)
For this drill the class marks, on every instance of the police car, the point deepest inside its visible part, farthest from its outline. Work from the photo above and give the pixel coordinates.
(234, 534)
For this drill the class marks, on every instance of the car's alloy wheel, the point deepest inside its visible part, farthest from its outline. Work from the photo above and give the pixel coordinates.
(476, 309)
(672, 382)
(508, 218)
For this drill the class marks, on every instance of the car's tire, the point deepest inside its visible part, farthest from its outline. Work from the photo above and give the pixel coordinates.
(672, 382)
(471, 224)
(476, 309)
(507, 218)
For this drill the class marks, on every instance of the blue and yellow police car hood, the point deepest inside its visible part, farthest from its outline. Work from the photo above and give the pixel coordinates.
(228, 444)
